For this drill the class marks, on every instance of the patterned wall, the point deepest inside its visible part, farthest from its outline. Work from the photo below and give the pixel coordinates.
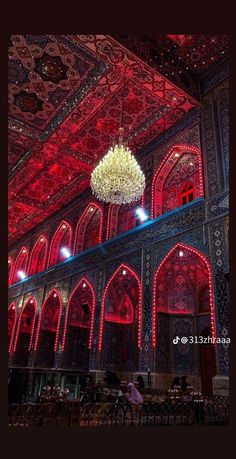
(201, 224)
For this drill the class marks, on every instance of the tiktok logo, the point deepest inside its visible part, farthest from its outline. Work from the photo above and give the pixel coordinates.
(176, 340)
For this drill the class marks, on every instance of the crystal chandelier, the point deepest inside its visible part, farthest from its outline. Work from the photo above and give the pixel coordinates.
(118, 177)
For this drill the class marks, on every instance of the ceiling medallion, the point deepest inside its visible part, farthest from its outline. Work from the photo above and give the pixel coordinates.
(118, 178)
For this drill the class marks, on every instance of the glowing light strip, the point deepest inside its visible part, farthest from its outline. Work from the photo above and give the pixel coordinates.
(207, 264)
(13, 307)
(84, 279)
(10, 259)
(181, 149)
(132, 272)
(68, 226)
(38, 242)
(19, 323)
(22, 268)
(54, 290)
(86, 210)
(108, 232)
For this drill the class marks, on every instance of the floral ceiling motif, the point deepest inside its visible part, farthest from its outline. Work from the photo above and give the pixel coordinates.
(64, 111)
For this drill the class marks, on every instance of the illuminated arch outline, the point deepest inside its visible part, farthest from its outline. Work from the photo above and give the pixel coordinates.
(59, 228)
(10, 276)
(86, 210)
(19, 323)
(12, 306)
(132, 272)
(84, 279)
(54, 290)
(32, 253)
(205, 260)
(181, 149)
(23, 268)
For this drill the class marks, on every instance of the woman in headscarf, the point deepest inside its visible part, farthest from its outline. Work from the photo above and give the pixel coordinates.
(133, 395)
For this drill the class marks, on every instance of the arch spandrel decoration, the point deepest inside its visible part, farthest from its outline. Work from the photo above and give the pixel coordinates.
(88, 231)
(183, 163)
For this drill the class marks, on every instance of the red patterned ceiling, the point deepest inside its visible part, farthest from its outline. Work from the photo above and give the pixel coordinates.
(64, 110)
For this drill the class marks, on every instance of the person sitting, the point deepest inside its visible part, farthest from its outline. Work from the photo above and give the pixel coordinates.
(140, 382)
(133, 395)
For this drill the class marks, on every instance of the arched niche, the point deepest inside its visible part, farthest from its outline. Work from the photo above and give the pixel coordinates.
(120, 325)
(24, 333)
(122, 218)
(178, 180)
(61, 238)
(89, 228)
(184, 307)
(38, 257)
(79, 322)
(46, 342)
(12, 319)
(20, 265)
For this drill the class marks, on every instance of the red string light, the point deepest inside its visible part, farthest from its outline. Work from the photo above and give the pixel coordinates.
(206, 262)
(13, 308)
(132, 272)
(81, 282)
(58, 321)
(181, 149)
(11, 263)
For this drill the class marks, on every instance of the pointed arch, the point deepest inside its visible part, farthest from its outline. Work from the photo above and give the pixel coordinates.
(92, 219)
(168, 164)
(54, 301)
(12, 320)
(26, 321)
(10, 269)
(62, 237)
(125, 268)
(112, 220)
(89, 286)
(122, 218)
(20, 264)
(38, 256)
(182, 247)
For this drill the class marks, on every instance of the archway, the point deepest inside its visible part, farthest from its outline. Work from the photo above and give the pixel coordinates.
(46, 342)
(121, 219)
(121, 317)
(24, 333)
(38, 256)
(62, 238)
(79, 322)
(183, 307)
(20, 265)
(181, 168)
(88, 231)
(12, 318)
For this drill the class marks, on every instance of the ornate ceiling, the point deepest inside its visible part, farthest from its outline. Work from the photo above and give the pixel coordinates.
(64, 110)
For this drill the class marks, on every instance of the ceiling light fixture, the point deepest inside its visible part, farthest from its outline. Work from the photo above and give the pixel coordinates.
(118, 177)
